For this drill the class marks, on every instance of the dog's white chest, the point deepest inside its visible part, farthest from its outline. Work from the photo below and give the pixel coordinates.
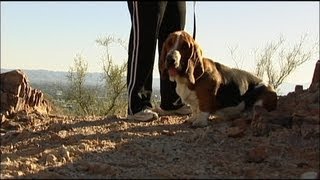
(188, 96)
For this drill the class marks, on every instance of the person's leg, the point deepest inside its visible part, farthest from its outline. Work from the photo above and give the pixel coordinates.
(145, 18)
(173, 20)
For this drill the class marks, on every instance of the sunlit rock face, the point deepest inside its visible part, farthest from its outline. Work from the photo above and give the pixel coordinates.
(17, 95)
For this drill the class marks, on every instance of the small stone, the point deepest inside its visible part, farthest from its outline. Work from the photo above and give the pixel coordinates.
(51, 159)
(235, 132)
(249, 173)
(18, 173)
(310, 175)
(257, 154)
(65, 153)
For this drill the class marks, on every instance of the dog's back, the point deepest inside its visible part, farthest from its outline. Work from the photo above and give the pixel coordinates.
(238, 85)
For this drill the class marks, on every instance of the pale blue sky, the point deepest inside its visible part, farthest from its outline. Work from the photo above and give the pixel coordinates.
(48, 35)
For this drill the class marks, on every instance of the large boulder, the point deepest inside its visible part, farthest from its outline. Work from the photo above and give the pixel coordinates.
(314, 86)
(299, 109)
(303, 101)
(17, 95)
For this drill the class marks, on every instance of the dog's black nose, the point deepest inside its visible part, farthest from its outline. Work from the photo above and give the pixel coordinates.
(170, 60)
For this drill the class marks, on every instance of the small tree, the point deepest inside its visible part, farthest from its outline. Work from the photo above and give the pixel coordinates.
(114, 78)
(235, 57)
(277, 60)
(287, 59)
(113, 99)
(83, 97)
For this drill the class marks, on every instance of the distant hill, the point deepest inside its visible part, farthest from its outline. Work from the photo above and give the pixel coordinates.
(46, 76)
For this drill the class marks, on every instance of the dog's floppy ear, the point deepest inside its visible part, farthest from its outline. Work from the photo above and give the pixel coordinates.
(195, 67)
(162, 62)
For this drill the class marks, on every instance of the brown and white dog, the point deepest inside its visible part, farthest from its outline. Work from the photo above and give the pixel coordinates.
(208, 86)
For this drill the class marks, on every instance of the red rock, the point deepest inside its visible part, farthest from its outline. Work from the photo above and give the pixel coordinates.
(259, 124)
(235, 132)
(250, 173)
(298, 89)
(242, 123)
(17, 95)
(316, 77)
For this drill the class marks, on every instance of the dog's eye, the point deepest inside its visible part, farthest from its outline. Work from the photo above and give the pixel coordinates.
(184, 45)
(170, 43)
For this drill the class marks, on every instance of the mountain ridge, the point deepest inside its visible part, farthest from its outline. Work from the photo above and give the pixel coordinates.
(94, 78)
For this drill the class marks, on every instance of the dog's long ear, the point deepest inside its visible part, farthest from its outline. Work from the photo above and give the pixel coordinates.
(162, 62)
(195, 67)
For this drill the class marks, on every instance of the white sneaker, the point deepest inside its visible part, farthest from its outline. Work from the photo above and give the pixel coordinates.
(144, 115)
(184, 110)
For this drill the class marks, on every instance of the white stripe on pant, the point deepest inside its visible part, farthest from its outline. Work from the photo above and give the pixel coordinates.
(134, 61)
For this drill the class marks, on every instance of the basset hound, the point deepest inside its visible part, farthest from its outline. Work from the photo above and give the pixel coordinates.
(207, 86)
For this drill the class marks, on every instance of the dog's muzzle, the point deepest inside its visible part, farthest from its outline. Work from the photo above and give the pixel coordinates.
(173, 59)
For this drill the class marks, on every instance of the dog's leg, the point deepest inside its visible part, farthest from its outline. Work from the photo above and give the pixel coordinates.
(204, 107)
(230, 112)
(193, 117)
(198, 118)
(192, 100)
(202, 119)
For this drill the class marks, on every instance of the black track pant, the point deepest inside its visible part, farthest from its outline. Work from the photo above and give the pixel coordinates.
(151, 21)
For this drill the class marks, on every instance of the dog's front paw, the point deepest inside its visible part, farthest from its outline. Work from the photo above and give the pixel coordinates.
(190, 119)
(201, 120)
(199, 123)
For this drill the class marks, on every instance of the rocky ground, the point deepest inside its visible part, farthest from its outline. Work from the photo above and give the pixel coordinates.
(279, 144)
(51, 146)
